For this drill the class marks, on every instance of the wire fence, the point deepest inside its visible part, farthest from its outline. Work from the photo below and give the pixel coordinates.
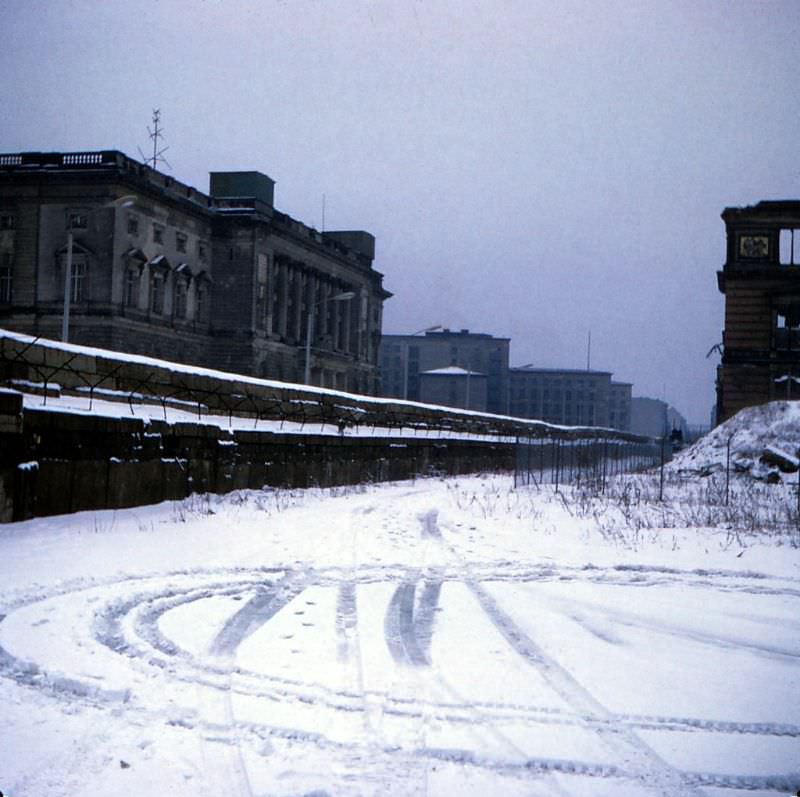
(60, 369)
(584, 456)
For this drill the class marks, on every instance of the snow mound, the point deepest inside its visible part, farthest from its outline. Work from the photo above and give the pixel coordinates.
(763, 441)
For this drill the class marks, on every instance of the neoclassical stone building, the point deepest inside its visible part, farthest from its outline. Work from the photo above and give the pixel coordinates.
(222, 280)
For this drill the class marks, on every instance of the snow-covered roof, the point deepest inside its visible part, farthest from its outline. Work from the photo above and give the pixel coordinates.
(159, 260)
(137, 253)
(452, 370)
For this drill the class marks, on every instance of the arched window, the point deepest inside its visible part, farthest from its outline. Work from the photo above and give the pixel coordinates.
(131, 297)
(157, 290)
(180, 297)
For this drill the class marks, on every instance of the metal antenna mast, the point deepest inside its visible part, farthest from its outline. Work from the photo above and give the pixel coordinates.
(155, 134)
(589, 352)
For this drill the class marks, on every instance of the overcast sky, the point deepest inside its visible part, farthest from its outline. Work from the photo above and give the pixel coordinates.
(530, 169)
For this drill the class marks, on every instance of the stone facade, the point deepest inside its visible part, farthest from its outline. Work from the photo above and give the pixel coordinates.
(761, 284)
(222, 280)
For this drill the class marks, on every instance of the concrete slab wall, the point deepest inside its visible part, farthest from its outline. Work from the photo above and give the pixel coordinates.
(54, 463)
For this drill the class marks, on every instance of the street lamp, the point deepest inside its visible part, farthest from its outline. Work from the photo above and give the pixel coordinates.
(123, 202)
(346, 296)
(405, 356)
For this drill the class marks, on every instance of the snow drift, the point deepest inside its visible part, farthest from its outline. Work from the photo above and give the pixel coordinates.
(764, 442)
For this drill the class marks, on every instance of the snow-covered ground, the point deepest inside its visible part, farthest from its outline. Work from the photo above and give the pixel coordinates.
(443, 637)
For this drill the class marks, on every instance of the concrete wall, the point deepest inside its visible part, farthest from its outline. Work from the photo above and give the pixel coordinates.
(54, 463)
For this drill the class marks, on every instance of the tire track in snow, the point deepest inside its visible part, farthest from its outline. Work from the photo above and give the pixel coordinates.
(223, 754)
(191, 586)
(643, 763)
(258, 611)
(408, 628)
(153, 604)
(580, 612)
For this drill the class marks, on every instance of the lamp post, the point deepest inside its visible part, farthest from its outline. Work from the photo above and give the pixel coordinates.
(405, 356)
(346, 296)
(122, 202)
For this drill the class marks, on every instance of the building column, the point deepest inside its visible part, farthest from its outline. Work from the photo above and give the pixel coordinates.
(283, 296)
(297, 331)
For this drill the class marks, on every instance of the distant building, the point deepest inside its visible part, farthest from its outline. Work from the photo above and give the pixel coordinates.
(571, 397)
(655, 418)
(223, 279)
(454, 387)
(619, 405)
(761, 283)
(404, 358)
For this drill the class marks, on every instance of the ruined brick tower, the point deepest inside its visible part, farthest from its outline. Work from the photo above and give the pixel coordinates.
(761, 283)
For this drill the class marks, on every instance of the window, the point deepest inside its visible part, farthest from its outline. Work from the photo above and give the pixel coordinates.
(6, 277)
(158, 234)
(133, 225)
(7, 222)
(180, 241)
(180, 298)
(202, 250)
(157, 294)
(787, 325)
(78, 281)
(789, 247)
(201, 303)
(77, 220)
(132, 288)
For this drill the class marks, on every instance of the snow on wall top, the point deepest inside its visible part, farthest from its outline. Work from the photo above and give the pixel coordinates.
(225, 376)
(315, 394)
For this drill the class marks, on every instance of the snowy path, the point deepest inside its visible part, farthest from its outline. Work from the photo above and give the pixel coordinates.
(390, 642)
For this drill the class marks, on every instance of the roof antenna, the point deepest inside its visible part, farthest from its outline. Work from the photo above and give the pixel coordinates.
(155, 134)
(589, 352)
